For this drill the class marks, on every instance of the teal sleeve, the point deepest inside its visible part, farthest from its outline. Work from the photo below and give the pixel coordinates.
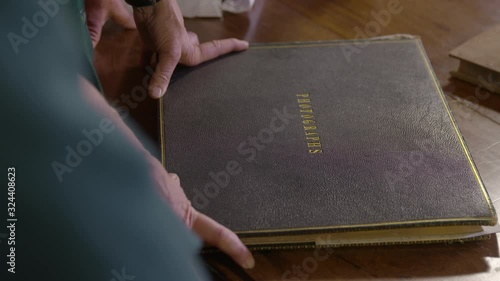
(85, 206)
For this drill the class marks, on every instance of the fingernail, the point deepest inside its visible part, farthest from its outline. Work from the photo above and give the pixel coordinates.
(250, 263)
(156, 93)
(245, 43)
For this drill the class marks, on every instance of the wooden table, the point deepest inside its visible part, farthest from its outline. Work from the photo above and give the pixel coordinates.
(442, 25)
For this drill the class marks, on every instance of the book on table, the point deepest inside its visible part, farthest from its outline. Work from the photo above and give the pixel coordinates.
(323, 144)
(479, 60)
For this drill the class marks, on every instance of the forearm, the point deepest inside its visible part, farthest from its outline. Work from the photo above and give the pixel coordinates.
(95, 98)
(167, 184)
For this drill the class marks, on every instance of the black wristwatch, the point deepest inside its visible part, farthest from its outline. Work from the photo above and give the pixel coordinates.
(141, 3)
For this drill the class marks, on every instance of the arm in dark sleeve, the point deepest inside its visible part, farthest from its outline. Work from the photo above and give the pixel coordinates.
(86, 208)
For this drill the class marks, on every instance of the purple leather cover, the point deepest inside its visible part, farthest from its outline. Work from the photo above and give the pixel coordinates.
(390, 153)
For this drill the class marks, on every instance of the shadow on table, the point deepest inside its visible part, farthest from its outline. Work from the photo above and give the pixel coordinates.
(361, 263)
(476, 98)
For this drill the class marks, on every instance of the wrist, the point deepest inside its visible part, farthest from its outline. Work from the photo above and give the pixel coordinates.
(141, 3)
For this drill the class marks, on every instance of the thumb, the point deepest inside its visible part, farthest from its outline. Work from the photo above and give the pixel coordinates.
(123, 17)
(164, 69)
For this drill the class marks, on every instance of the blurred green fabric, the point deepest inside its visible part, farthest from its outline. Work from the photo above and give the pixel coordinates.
(104, 220)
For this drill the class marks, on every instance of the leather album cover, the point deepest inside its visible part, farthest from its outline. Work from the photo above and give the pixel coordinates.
(287, 143)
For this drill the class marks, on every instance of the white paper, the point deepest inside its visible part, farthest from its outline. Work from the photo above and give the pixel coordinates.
(237, 6)
(200, 8)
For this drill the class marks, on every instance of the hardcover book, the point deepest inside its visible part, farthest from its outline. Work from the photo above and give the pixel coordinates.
(323, 144)
(479, 61)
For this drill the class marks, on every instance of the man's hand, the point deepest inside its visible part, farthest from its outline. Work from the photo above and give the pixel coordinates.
(209, 230)
(169, 186)
(99, 11)
(162, 30)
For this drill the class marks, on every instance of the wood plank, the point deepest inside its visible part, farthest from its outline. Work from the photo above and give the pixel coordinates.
(442, 25)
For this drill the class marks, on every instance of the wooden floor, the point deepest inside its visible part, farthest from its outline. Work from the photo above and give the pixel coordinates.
(442, 26)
